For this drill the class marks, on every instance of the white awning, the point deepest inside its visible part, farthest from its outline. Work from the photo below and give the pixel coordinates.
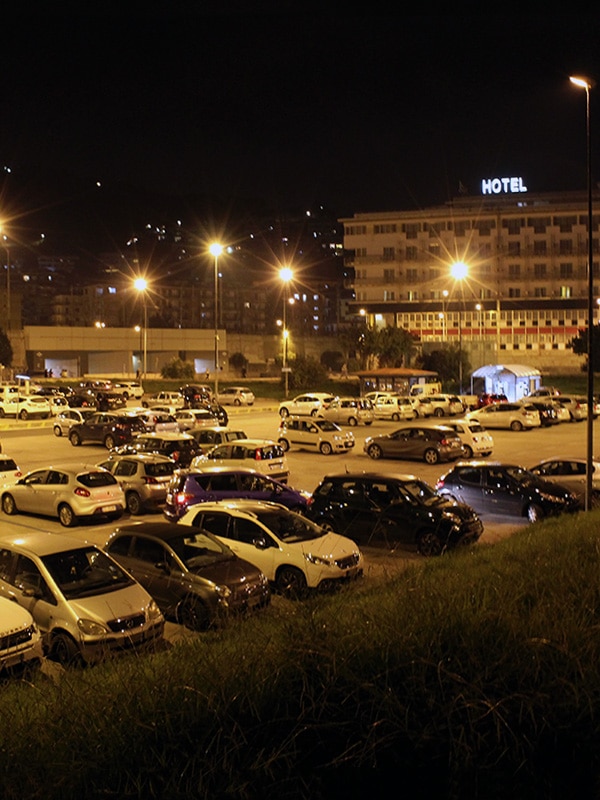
(494, 370)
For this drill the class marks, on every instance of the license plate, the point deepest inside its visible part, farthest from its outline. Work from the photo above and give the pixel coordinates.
(108, 509)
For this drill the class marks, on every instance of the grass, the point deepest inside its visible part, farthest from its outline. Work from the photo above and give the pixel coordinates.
(474, 675)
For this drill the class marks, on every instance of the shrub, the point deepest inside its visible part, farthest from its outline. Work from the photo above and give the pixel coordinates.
(177, 368)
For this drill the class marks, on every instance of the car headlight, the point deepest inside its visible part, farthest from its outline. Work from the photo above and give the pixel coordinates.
(91, 628)
(154, 611)
(224, 592)
(318, 560)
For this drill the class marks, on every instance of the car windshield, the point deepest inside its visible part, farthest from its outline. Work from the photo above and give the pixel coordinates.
(199, 549)
(327, 425)
(84, 572)
(418, 492)
(520, 474)
(290, 527)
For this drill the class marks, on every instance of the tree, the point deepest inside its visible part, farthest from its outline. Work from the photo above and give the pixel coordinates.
(6, 351)
(178, 369)
(446, 363)
(387, 347)
(306, 372)
(580, 344)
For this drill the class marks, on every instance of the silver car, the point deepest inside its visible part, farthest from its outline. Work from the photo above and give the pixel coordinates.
(349, 411)
(69, 417)
(67, 492)
(144, 477)
(570, 472)
(510, 416)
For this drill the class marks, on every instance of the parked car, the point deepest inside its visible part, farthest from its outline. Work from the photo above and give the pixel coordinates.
(263, 455)
(154, 420)
(394, 407)
(308, 404)
(476, 441)
(374, 397)
(107, 428)
(195, 578)
(64, 421)
(210, 435)
(144, 478)
(576, 405)
(129, 389)
(58, 404)
(236, 396)
(349, 411)
(195, 395)
(294, 553)
(85, 605)
(180, 447)
(487, 398)
(570, 472)
(375, 508)
(509, 416)
(210, 483)
(9, 471)
(175, 399)
(26, 407)
(316, 435)
(547, 410)
(189, 418)
(429, 443)
(506, 489)
(20, 639)
(545, 391)
(446, 405)
(67, 492)
(423, 406)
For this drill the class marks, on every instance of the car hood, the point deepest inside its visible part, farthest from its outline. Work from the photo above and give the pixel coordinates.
(111, 605)
(228, 572)
(331, 545)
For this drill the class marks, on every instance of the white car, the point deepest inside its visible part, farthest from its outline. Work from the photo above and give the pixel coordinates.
(235, 396)
(26, 407)
(189, 418)
(394, 407)
(9, 471)
(477, 442)
(263, 455)
(349, 411)
(509, 416)
(293, 552)
(20, 639)
(84, 603)
(170, 399)
(67, 492)
(129, 389)
(308, 404)
(64, 421)
(446, 405)
(58, 404)
(316, 435)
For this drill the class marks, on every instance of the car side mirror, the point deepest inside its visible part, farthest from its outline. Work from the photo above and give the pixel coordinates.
(260, 543)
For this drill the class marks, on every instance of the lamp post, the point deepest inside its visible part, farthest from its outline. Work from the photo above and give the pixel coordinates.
(587, 84)
(459, 271)
(142, 285)
(286, 275)
(215, 250)
(8, 309)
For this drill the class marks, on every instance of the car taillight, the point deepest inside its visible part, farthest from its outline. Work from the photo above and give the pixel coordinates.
(149, 479)
(120, 426)
(182, 498)
(258, 455)
(81, 492)
(18, 474)
(439, 484)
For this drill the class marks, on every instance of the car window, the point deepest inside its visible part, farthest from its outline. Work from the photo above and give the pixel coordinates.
(223, 483)
(55, 477)
(148, 550)
(28, 576)
(99, 478)
(160, 469)
(247, 531)
(120, 545)
(469, 475)
(218, 524)
(7, 464)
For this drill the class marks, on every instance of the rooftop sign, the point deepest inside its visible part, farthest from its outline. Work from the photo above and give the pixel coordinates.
(502, 186)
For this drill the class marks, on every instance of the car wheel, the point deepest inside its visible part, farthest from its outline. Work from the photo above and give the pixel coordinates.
(438, 412)
(395, 418)
(64, 650)
(283, 412)
(429, 544)
(109, 442)
(369, 422)
(431, 456)
(125, 395)
(327, 525)
(8, 504)
(57, 430)
(66, 516)
(74, 438)
(352, 421)
(467, 451)
(23, 414)
(314, 412)
(193, 614)
(374, 451)
(515, 425)
(2, 412)
(291, 582)
(284, 444)
(134, 503)
(237, 402)
(326, 448)
(534, 512)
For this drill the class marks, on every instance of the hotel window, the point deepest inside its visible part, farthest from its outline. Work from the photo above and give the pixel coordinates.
(565, 224)
(566, 269)
(434, 249)
(411, 229)
(565, 247)
(540, 291)
(566, 291)
(539, 271)
(356, 230)
(412, 274)
(461, 227)
(434, 230)
(539, 224)
(514, 271)
(514, 248)
(540, 248)
(413, 295)
(361, 252)
(389, 295)
(484, 226)
(389, 227)
(389, 275)
(513, 226)
(389, 253)
(485, 250)
(434, 274)
(412, 253)
(514, 291)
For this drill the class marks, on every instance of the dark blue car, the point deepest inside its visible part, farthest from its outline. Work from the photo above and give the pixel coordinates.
(210, 483)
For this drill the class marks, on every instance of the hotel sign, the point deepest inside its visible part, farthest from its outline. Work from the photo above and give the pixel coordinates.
(502, 186)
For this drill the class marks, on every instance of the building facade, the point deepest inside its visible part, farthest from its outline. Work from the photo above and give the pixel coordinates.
(523, 289)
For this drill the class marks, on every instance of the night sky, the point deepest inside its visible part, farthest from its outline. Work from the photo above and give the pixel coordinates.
(357, 112)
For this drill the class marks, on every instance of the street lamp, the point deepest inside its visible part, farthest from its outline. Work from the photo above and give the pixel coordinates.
(459, 271)
(8, 309)
(215, 250)
(141, 284)
(587, 84)
(286, 275)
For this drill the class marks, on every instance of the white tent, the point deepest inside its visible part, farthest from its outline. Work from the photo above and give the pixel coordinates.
(513, 380)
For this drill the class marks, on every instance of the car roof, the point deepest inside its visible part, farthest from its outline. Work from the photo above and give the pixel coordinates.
(152, 457)
(167, 436)
(161, 529)
(72, 469)
(253, 442)
(371, 475)
(43, 543)
(239, 504)
(205, 467)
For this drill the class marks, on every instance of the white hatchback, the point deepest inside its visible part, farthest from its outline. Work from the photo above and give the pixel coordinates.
(477, 442)
(308, 404)
(394, 407)
(293, 552)
(263, 455)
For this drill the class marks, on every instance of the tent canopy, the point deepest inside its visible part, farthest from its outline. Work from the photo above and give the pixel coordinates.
(513, 380)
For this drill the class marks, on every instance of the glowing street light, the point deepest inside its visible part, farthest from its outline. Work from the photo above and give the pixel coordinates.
(216, 250)
(141, 285)
(286, 275)
(459, 271)
(7, 248)
(588, 84)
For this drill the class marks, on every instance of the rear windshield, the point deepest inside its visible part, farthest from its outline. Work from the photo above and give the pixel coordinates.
(7, 464)
(160, 470)
(93, 479)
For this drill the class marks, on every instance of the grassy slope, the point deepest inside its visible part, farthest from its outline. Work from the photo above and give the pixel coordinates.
(477, 675)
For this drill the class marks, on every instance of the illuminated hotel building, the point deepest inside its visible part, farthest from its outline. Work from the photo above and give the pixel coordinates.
(525, 293)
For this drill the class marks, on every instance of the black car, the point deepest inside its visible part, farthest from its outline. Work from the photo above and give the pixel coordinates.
(546, 409)
(373, 508)
(181, 447)
(107, 428)
(194, 578)
(506, 489)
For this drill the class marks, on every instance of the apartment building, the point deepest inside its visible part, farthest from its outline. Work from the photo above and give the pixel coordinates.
(523, 283)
